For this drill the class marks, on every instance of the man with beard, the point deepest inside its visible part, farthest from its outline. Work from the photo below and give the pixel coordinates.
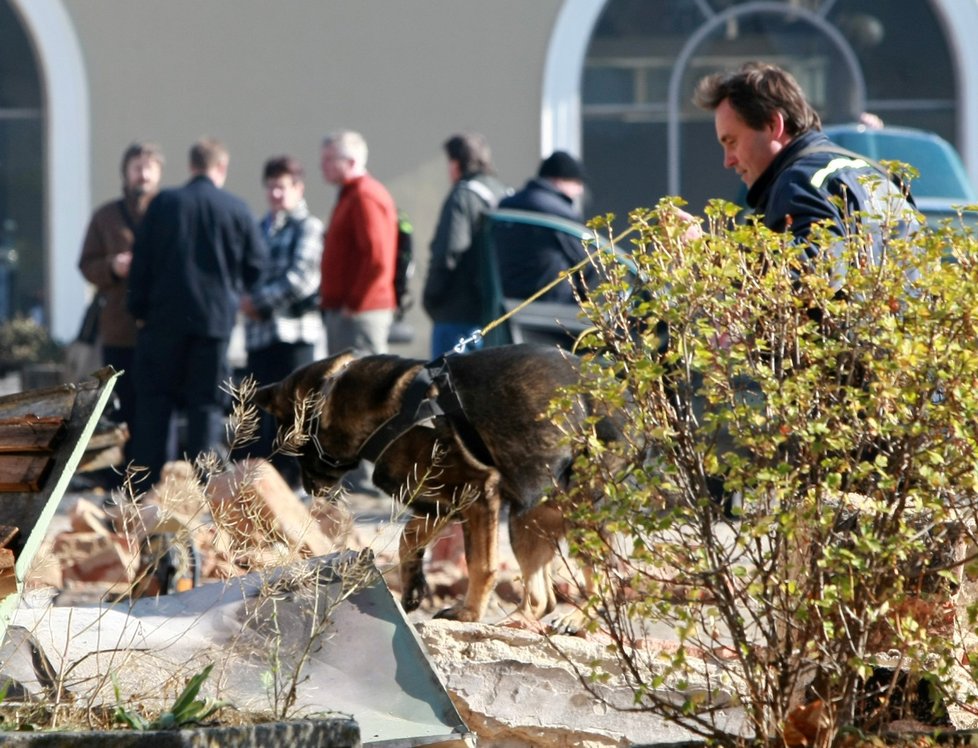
(105, 259)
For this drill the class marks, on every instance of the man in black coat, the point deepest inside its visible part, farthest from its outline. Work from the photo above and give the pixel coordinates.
(529, 257)
(197, 250)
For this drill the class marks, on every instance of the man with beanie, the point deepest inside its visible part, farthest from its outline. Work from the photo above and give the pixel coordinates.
(530, 257)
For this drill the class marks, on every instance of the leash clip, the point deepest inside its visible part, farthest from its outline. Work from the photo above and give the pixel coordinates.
(464, 343)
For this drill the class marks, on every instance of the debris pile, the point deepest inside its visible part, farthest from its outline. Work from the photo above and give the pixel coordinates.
(244, 519)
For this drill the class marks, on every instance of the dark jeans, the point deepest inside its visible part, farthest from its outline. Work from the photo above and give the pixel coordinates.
(171, 372)
(121, 359)
(267, 366)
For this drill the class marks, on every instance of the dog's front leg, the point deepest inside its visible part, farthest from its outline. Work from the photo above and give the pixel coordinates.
(415, 537)
(480, 529)
(534, 535)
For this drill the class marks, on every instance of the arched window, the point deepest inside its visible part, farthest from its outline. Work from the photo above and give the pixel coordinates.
(22, 189)
(643, 139)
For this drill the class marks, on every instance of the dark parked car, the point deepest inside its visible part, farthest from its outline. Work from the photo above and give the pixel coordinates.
(540, 321)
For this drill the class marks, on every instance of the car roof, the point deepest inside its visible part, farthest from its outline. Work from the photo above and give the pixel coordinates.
(549, 221)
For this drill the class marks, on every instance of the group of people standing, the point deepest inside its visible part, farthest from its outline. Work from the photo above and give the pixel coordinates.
(175, 269)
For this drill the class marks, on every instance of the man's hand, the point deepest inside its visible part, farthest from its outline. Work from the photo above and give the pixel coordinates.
(120, 264)
(248, 308)
(694, 226)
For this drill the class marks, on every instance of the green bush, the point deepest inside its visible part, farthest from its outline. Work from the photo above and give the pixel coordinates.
(797, 475)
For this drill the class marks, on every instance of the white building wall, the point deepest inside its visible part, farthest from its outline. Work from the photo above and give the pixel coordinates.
(275, 77)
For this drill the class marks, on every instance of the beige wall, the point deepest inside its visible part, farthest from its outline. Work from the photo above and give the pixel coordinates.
(274, 76)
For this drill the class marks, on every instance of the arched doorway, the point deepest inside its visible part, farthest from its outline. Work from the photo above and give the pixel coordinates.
(642, 139)
(22, 184)
(60, 156)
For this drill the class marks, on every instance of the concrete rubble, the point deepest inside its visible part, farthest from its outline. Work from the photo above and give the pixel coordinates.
(518, 688)
(291, 643)
(510, 686)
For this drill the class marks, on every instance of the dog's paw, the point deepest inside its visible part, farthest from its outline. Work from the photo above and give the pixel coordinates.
(414, 594)
(458, 613)
(569, 624)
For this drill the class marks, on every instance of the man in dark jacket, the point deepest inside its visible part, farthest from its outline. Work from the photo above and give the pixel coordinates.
(454, 288)
(796, 177)
(196, 251)
(530, 257)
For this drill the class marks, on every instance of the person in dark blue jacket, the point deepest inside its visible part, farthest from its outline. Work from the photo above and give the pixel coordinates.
(771, 136)
(197, 250)
(530, 257)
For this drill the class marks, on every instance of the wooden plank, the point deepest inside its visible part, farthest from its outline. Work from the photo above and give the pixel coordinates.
(30, 433)
(8, 582)
(8, 576)
(7, 533)
(23, 472)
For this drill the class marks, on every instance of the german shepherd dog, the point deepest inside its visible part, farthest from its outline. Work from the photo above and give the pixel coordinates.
(502, 450)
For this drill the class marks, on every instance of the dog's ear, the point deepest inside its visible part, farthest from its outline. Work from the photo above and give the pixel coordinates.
(279, 399)
(266, 398)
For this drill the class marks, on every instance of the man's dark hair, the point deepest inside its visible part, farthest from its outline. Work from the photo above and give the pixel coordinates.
(207, 153)
(756, 92)
(280, 166)
(140, 149)
(471, 151)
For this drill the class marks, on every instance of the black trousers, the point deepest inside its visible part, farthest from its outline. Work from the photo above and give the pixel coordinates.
(121, 359)
(174, 372)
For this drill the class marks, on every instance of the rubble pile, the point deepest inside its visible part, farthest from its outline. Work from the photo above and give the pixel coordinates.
(244, 519)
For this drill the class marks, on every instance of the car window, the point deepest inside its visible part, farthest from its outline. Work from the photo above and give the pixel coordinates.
(516, 234)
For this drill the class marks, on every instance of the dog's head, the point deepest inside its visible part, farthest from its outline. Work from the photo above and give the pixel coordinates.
(334, 405)
(300, 405)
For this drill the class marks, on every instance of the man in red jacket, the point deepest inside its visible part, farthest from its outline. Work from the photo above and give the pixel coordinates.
(359, 251)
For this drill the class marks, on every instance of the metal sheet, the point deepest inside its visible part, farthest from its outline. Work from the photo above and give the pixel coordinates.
(368, 663)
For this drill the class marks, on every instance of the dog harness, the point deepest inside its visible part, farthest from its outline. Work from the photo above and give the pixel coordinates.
(418, 406)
